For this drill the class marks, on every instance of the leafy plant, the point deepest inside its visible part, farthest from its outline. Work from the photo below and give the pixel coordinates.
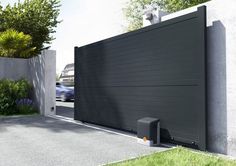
(25, 106)
(134, 9)
(11, 92)
(38, 18)
(15, 44)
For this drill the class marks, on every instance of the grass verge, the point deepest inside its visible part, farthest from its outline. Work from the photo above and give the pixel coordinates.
(178, 157)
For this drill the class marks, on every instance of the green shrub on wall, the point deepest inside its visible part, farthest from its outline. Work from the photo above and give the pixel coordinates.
(15, 44)
(14, 97)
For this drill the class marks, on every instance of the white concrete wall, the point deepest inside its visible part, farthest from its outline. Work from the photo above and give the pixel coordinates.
(19, 68)
(50, 82)
(221, 61)
(41, 72)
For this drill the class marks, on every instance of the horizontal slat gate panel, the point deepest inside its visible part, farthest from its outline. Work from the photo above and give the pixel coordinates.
(158, 71)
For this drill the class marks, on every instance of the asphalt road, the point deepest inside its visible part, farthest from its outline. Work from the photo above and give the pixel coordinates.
(65, 109)
(44, 141)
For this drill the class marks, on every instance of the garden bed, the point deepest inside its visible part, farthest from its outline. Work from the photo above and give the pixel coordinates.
(15, 98)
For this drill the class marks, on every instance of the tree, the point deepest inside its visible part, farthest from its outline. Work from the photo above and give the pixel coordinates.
(38, 18)
(15, 44)
(134, 9)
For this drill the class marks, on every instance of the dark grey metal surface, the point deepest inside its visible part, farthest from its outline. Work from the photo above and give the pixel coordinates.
(157, 71)
(147, 127)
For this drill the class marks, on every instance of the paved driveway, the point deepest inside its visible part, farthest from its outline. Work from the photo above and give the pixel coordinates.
(44, 141)
(65, 109)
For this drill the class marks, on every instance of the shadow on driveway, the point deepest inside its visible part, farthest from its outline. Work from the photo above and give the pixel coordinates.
(36, 122)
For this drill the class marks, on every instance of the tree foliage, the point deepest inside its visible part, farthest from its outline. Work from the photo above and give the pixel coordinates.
(38, 18)
(15, 44)
(134, 9)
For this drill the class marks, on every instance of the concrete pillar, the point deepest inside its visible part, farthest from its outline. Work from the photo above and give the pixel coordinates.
(42, 71)
(50, 82)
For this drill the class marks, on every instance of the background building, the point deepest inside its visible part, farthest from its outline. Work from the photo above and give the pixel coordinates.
(67, 75)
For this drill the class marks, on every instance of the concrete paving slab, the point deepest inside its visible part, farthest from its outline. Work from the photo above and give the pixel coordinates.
(38, 140)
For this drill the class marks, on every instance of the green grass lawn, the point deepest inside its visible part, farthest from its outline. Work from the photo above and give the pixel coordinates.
(179, 157)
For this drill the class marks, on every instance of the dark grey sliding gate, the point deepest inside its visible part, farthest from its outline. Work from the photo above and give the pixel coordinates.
(157, 71)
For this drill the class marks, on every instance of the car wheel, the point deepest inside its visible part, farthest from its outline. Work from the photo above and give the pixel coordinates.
(63, 97)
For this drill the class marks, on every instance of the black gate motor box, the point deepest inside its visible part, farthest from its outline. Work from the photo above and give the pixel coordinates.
(148, 131)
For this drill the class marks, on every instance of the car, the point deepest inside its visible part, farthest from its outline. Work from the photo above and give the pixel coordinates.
(63, 92)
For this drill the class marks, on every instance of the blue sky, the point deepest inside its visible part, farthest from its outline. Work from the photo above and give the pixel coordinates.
(84, 22)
